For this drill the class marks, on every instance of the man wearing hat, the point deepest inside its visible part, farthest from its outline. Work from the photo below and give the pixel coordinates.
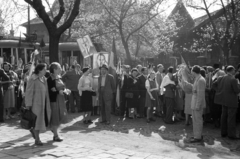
(106, 89)
(3, 77)
(227, 90)
(237, 76)
(71, 79)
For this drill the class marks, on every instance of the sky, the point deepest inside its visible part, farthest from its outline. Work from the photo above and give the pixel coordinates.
(21, 17)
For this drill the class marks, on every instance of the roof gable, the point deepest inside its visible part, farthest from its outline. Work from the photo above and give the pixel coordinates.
(181, 16)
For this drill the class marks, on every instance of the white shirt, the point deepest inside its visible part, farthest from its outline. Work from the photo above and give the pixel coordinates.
(85, 82)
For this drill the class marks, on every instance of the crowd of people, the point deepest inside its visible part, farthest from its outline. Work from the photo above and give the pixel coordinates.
(203, 94)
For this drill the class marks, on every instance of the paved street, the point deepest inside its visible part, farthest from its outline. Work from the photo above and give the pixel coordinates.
(123, 139)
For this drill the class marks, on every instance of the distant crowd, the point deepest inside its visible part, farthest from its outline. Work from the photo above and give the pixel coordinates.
(194, 94)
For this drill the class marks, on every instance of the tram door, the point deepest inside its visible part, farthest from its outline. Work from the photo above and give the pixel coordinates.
(6, 55)
(66, 56)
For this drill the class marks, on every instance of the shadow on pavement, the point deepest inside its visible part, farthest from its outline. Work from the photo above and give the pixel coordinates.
(212, 142)
(19, 148)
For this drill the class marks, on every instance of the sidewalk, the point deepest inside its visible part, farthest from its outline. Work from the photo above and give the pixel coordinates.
(129, 139)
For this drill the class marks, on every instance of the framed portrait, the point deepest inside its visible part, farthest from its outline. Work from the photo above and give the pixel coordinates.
(1, 62)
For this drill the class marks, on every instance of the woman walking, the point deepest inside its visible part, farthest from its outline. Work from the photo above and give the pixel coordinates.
(56, 90)
(86, 92)
(151, 96)
(37, 99)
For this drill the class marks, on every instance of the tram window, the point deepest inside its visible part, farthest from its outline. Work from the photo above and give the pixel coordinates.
(21, 54)
(29, 52)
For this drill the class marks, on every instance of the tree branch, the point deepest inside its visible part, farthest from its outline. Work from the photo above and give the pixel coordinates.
(29, 2)
(124, 13)
(60, 13)
(49, 8)
(40, 9)
(73, 15)
(197, 7)
(213, 25)
(109, 12)
(224, 11)
(141, 26)
(68, 13)
(212, 3)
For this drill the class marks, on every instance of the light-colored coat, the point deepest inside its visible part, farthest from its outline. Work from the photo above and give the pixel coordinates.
(37, 97)
(159, 78)
(198, 93)
(198, 98)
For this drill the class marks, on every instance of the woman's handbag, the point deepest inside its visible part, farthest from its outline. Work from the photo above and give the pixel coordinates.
(129, 95)
(94, 94)
(28, 119)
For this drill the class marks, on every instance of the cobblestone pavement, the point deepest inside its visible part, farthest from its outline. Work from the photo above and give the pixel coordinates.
(123, 139)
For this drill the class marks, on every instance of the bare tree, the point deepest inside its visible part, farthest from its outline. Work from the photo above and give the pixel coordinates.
(8, 11)
(55, 29)
(224, 23)
(128, 17)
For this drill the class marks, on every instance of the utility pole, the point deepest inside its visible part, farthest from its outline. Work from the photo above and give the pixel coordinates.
(29, 32)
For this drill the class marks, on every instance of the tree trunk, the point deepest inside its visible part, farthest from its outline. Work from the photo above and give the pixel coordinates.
(53, 48)
(129, 58)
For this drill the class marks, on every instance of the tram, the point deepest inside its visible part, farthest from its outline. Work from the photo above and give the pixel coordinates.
(11, 52)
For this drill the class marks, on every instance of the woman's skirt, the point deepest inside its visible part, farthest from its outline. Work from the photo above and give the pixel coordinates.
(86, 101)
(9, 98)
(58, 111)
(149, 102)
(188, 99)
(179, 100)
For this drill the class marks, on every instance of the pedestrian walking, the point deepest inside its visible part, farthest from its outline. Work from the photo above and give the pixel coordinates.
(37, 99)
(56, 89)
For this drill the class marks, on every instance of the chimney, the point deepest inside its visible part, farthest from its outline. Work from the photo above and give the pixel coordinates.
(11, 31)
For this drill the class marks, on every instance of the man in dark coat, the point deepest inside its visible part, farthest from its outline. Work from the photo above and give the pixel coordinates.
(124, 88)
(142, 79)
(227, 90)
(237, 76)
(169, 95)
(3, 77)
(106, 89)
(71, 79)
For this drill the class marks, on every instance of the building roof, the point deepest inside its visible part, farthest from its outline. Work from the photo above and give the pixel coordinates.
(34, 21)
(14, 44)
(182, 18)
(203, 20)
(181, 10)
